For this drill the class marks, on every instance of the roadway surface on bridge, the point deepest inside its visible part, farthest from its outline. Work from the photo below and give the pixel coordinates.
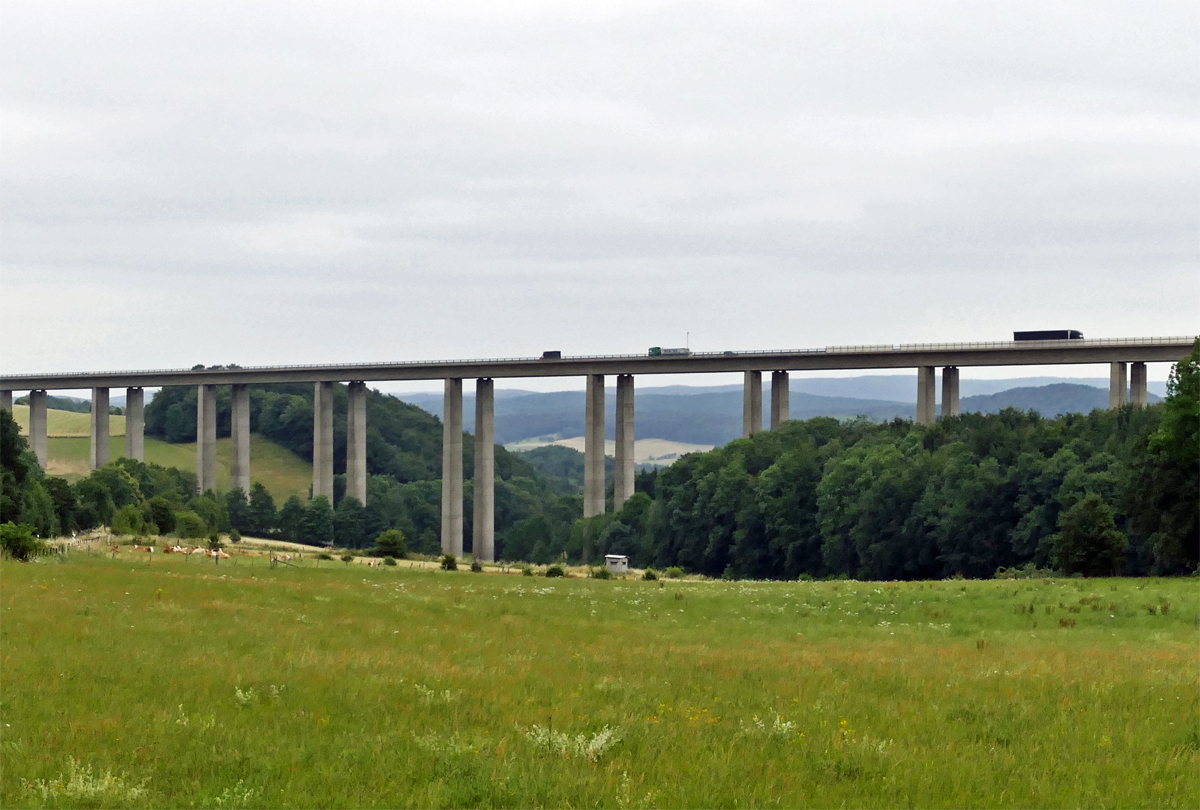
(830, 358)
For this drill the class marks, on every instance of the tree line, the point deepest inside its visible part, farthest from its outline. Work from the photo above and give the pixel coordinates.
(1102, 493)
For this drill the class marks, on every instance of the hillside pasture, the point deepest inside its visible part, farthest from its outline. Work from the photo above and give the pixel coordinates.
(281, 471)
(67, 424)
(194, 684)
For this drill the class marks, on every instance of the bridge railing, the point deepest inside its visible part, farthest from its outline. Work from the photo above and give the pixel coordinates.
(848, 349)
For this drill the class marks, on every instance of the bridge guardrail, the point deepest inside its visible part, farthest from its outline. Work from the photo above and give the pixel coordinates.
(848, 349)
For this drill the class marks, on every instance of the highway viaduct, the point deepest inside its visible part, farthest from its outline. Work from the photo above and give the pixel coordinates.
(1124, 356)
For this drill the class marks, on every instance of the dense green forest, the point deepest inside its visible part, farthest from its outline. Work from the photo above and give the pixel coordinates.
(1102, 493)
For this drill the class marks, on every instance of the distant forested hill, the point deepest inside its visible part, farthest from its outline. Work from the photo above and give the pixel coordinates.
(715, 416)
(1048, 400)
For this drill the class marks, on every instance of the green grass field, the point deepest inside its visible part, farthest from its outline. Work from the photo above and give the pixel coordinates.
(66, 423)
(280, 470)
(237, 685)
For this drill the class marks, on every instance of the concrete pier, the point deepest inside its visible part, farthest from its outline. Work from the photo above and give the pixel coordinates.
(623, 474)
(239, 435)
(98, 451)
(452, 469)
(356, 441)
(1118, 387)
(6, 400)
(752, 404)
(323, 440)
(781, 398)
(135, 424)
(926, 395)
(483, 522)
(206, 438)
(37, 425)
(949, 391)
(593, 447)
(1137, 385)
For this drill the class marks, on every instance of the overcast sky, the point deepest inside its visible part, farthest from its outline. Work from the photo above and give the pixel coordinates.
(262, 183)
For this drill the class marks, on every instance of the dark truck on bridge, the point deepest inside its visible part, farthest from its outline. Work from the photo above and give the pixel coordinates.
(657, 351)
(1049, 334)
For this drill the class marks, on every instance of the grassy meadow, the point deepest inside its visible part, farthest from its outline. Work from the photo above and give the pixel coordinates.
(67, 423)
(280, 470)
(175, 683)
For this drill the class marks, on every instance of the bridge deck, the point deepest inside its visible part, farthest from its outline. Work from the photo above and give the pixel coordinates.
(1006, 353)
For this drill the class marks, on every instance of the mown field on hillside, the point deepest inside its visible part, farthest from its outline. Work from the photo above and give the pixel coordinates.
(67, 423)
(238, 685)
(280, 470)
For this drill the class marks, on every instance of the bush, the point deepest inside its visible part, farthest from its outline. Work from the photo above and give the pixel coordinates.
(324, 556)
(214, 541)
(674, 572)
(476, 566)
(189, 525)
(555, 571)
(389, 560)
(235, 536)
(18, 542)
(527, 571)
(449, 562)
(649, 575)
(599, 573)
(127, 521)
(391, 544)
(347, 558)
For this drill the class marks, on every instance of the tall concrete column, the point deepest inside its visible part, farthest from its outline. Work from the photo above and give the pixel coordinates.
(323, 440)
(781, 399)
(452, 469)
(37, 425)
(135, 424)
(239, 439)
(1117, 386)
(593, 448)
(206, 438)
(6, 400)
(926, 395)
(356, 441)
(623, 477)
(949, 391)
(483, 524)
(752, 404)
(98, 453)
(1137, 385)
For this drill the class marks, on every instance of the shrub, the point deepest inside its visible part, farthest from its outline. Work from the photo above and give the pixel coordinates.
(555, 571)
(389, 560)
(347, 558)
(649, 575)
(324, 556)
(391, 544)
(127, 521)
(476, 566)
(599, 573)
(449, 562)
(235, 536)
(214, 541)
(674, 572)
(526, 571)
(18, 542)
(189, 525)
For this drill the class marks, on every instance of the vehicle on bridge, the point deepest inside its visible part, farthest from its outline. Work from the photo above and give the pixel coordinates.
(1049, 334)
(657, 351)
(552, 355)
